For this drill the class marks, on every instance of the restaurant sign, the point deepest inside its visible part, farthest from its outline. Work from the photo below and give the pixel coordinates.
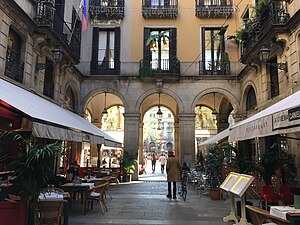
(287, 118)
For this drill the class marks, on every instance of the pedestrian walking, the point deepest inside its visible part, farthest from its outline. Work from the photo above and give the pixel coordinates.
(153, 161)
(163, 161)
(173, 173)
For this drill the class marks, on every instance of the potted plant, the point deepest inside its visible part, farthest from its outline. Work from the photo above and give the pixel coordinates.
(128, 164)
(32, 168)
(212, 169)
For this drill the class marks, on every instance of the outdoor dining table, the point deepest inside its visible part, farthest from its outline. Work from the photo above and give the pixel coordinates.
(62, 196)
(286, 212)
(82, 188)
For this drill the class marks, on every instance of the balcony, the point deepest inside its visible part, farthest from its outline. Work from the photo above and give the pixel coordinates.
(163, 68)
(105, 68)
(214, 68)
(46, 17)
(271, 20)
(106, 9)
(214, 8)
(14, 69)
(160, 9)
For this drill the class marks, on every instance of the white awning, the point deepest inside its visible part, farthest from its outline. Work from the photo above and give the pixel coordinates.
(282, 117)
(216, 139)
(50, 120)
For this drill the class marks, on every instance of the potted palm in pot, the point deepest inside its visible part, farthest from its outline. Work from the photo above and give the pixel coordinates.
(212, 169)
(33, 168)
(128, 164)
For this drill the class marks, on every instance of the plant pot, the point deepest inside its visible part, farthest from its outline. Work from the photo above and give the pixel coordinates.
(127, 177)
(214, 193)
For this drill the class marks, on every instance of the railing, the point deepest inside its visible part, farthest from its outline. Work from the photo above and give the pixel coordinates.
(14, 68)
(103, 9)
(49, 90)
(271, 15)
(160, 9)
(46, 16)
(214, 68)
(151, 68)
(214, 8)
(105, 67)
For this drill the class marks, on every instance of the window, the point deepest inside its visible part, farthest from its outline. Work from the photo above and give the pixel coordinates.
(161, 53)
(70, 99)
(274, 83)
(49, 79)
(14, 68)
(251, 99)
(213, 51)
(106, 51)
(212, 2)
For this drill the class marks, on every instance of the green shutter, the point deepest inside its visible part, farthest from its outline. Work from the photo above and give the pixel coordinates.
(173, 43)
(117, 47)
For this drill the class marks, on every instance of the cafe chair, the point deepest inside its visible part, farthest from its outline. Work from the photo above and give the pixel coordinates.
(269, 197)
(50, 211)
(114, 177)
(97, 193)
(262, 217)
(286, 195)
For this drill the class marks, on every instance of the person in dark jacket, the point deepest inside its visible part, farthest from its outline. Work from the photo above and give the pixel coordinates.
(173, 173)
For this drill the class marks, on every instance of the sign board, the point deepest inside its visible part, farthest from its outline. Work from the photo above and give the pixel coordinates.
(237, 183)
(230, 180)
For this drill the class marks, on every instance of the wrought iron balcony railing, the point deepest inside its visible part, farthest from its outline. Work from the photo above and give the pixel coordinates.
(49, 90)
(46, 16)
(152, 68)
(106, 9)
(14, 68)
(269, 19)
(105, 67)
(213, 8)
(160, 9)
(214, 68)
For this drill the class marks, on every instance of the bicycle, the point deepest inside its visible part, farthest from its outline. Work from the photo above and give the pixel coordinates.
(183, 186)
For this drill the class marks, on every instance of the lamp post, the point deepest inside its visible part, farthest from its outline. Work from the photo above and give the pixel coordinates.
(214, 113)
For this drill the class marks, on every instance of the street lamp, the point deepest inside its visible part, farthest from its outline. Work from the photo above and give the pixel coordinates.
(214, 113)
(104, 112)
(264, 55)
(159, 112)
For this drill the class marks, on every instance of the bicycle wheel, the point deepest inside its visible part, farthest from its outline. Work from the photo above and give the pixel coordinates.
(184, 192)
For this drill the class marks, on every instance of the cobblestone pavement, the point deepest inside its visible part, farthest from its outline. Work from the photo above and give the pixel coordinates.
(145, 202)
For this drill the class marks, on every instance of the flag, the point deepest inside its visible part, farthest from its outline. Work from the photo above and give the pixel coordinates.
(84, 15)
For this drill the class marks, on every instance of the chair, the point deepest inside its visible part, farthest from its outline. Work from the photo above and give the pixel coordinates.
(97, 193)
(261, 217)
(270, 197)
(286, 195)
(51, 211)
(114, 177)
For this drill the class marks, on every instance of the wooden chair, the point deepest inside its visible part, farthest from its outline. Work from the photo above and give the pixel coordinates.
(51, 211)
(260, 216)
(97, 193)
(115, 178)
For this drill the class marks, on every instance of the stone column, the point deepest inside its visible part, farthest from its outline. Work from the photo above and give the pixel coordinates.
(141, 144)
(187, 138)
(131, 135)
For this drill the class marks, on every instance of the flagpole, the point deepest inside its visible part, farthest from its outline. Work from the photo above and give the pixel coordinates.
(77, 17)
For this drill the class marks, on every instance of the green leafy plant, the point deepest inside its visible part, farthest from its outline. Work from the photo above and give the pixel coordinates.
(32, 167)
(128, 162)
(213, 165)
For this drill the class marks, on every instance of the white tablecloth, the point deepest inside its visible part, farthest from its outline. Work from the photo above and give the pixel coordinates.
(281, 211)
(90, 185)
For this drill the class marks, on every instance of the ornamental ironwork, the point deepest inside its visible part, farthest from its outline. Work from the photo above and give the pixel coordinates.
(106, 9)
(160, 9)
(214, 8)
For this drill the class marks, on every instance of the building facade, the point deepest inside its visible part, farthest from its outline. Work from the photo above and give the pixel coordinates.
(190, 53)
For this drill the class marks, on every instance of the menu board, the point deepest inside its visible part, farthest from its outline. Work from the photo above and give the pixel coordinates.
(242, 184)
(230, 180)
(237, 183)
